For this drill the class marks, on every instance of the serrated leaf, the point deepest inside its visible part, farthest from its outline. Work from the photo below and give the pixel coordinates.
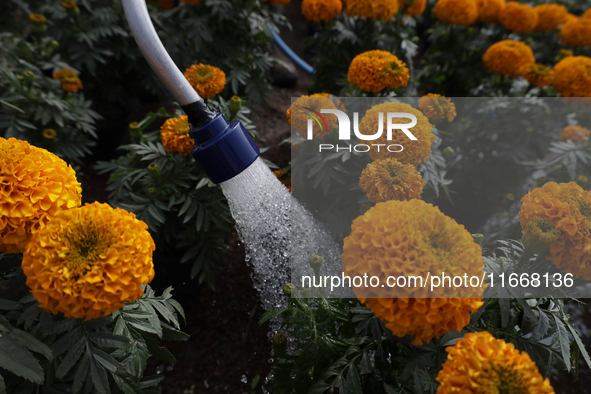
(19, 361)
(563, 341)
(71, 358)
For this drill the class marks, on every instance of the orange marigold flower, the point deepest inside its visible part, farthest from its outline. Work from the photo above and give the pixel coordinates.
(489, 10)
(388, 179)
(576, 32)
(402, 238)
(304, 108)
(479, 363)
(321, 10)
(69, 80)
(284, 177)
(437, 107)
(572, 76)
(587, 14)
(415, 152)
(206, 80)
(86, 262)
(191, 2)
(175, 135)
(550, 16)
(577, 134)
(568, 209)
(416, 8)
(34, 185)
(537, 74)
(507, 57)
(374, 71)
(457, 12)
(38, 19)
(518, 17)
(373, 9)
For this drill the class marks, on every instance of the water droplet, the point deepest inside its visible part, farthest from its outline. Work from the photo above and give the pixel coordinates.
(243, 379)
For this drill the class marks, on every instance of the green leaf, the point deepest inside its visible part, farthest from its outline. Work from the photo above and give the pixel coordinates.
(81, 373)
(71, 358)
(19, 361)
(31, 343)
(98, 376)
(580, 344)
(107, 339)
(564, 341)
(7, 305)
(160, 353)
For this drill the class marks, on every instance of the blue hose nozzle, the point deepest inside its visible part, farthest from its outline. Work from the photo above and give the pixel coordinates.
(224, 149)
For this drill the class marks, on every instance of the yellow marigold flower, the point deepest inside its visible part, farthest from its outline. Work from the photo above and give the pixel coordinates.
(308, 107)
(373, 9)
(457, 12)
(206, 80)
(577, 134)
(69, 80)
(568, 207)
(374, 71)
(518, 17)
(283, 177)
(388, 179)
(415, 152)
(38, 19)
(321, 10)
(437, 107)
(69, 4)
(191, 2)
(537, 74)
(402, 238)
(175, 135)
(550, 16)
(34, 185)
(416, 8)
(572, 76)
(576, 32)
(86, 262)
(507, 57)
(489, 10)
(479, 363)
(49, 134)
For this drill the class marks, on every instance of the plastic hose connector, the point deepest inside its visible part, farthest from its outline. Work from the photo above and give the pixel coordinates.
(224, 149)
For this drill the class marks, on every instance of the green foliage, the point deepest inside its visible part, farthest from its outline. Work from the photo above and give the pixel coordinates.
(31, 101)
(182, 207)
(336, 43)
(233, 35)
(105, 355)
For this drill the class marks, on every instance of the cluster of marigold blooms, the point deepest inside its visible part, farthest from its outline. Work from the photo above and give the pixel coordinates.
(403, 235)
(207, 81)
(83, 261)
(570, 76)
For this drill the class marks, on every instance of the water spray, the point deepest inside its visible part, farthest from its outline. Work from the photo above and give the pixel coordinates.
(275, 228)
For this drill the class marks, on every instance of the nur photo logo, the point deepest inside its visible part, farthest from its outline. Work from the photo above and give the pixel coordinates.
(344, 124)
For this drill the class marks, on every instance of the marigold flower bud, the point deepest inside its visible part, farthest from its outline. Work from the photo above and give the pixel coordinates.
(134, 131)
(235, 106)
(154, 170)
(288, 288)
(539, 234)
(582, 180)
(316, 263)
(541, 181)
(28, 77)
(478, 238)
(279, 343)
(448, 152)
(54, 44)
(49, 134)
